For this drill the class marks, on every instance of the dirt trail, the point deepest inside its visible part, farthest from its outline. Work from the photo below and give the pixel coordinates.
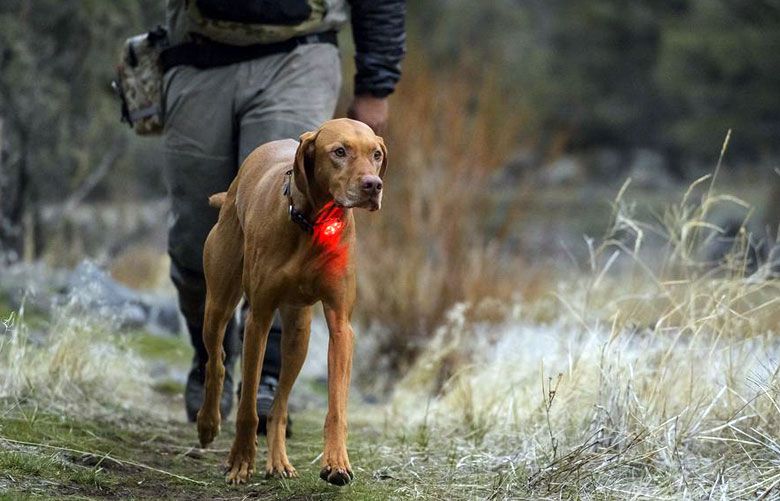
(43, 454)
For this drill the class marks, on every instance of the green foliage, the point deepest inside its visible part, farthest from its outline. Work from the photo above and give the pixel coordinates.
(600, 70)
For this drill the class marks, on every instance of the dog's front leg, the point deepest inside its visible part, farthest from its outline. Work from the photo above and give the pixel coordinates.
(335, 461)
(242, 455)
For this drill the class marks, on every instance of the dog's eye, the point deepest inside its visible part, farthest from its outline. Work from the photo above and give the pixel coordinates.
(377, 155)
(340, 152)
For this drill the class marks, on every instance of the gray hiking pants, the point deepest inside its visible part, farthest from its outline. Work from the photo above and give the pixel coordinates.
(213, 119)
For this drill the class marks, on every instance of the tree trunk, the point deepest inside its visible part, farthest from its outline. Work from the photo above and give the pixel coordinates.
(11, 205)
(32, 230)
(14, 196)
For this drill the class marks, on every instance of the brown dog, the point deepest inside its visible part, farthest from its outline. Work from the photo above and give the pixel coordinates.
(284, 239)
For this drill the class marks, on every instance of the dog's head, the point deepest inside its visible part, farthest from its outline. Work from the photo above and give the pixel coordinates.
(343, 160)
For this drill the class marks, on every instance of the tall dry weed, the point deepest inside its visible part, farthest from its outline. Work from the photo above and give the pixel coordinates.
(428, 249)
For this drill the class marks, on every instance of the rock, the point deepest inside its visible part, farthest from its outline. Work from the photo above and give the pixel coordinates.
(39, 288)
(36, 286)
(95, 291)
(606, 164)
(567, 169)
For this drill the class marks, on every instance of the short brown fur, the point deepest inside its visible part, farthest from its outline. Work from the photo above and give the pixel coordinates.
(255, 250)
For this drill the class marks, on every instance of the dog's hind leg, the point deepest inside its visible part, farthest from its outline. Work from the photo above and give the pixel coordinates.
(296, 327)
(222, 263)
(242, 454)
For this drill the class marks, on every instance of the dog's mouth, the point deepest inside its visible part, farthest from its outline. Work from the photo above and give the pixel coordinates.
(370, 203)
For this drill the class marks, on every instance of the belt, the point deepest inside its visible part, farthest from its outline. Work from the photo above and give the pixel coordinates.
(208, 54)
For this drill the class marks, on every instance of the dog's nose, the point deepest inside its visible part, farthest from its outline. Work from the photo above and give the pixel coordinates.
(371, 184)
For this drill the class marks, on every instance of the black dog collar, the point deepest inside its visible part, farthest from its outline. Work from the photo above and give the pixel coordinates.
(296, 216)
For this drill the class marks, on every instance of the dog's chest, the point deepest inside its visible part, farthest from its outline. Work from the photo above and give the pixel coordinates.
(302, 288)
(314, 276)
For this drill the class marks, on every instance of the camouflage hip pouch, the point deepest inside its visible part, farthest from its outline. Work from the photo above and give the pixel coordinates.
(250, 22)
(139, 81)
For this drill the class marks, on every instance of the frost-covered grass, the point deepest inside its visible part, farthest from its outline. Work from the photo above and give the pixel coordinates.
(654, 381)
(563, 410)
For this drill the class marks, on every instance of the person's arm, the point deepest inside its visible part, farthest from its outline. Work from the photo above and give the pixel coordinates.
(380, 43)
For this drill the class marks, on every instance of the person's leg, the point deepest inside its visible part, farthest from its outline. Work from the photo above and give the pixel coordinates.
(200, 160)
(301, 94)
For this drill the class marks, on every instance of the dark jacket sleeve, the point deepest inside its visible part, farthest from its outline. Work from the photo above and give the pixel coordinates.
(380, 43)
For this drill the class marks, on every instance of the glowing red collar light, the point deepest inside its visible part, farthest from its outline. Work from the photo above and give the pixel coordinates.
(328, 227)
(332, 228)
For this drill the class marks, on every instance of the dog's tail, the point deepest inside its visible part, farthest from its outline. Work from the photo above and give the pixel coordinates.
(217, 200)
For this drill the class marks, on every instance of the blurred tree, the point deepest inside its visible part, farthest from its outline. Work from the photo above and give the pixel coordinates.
(604, 53)
(719, 68)
(56, 61)
(499, 45)
(670, 75)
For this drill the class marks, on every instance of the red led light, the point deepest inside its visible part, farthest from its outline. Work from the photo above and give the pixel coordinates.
(327, 237)
(332, 228)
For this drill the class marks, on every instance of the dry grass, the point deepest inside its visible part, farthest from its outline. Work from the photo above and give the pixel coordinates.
(78, 365)
(655, 381)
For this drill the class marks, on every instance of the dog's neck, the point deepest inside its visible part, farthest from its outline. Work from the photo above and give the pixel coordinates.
(313, 210)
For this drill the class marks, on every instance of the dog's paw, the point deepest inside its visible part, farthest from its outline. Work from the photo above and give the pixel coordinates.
(240, 467)
(336, 469)
(239, 473)
(208, 427)
(336, 476)
(280, 469)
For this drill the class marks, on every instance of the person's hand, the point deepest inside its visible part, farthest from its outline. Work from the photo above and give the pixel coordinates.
(371, 110)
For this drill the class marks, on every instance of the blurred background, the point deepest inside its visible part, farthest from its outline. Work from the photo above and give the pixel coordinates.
(512, 132)
(514, 125)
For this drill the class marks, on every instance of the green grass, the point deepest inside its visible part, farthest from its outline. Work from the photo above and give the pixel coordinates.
(5, 307)
(175, 350)
(34, 465)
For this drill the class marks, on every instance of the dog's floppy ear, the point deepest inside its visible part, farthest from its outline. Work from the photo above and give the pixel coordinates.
(303, 170)
(383, 168)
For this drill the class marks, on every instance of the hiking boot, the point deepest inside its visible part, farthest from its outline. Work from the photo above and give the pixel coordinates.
(265, 398)
(193, 392)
